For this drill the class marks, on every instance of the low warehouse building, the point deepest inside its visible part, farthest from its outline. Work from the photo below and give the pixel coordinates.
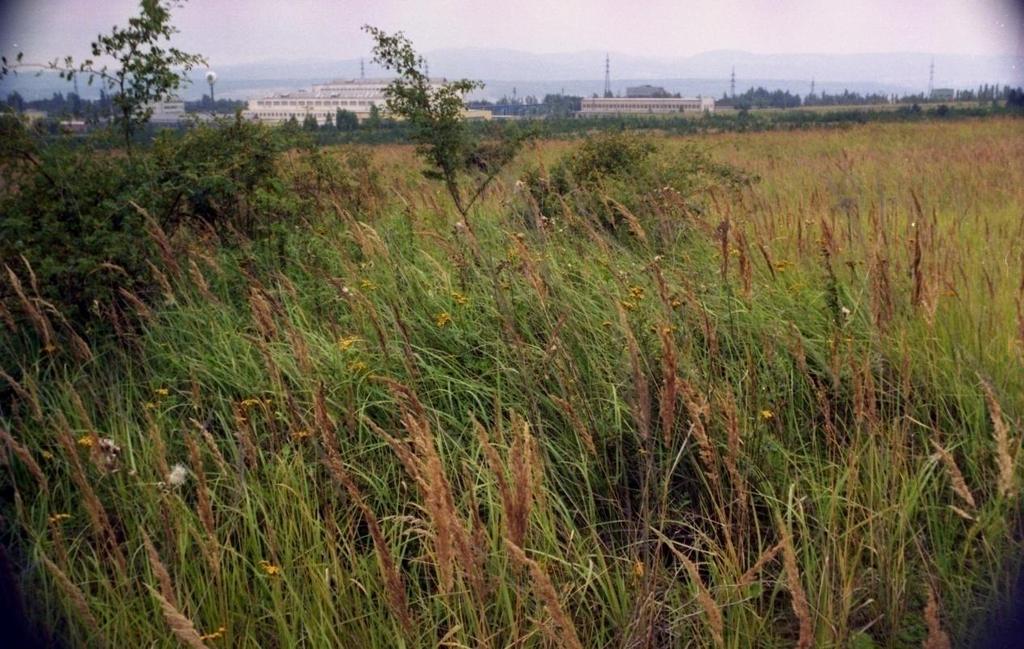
(606, 106)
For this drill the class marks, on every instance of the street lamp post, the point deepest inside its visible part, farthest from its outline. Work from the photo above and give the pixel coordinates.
(211, 78)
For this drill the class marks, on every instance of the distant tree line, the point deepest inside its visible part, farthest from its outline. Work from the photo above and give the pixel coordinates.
(761, 97)
(71, 105)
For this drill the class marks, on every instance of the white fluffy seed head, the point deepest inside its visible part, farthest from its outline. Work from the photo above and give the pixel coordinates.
(178, 475)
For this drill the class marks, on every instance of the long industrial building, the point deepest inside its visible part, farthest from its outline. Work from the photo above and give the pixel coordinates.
(322, 102)
(606, 106)
(354, 95)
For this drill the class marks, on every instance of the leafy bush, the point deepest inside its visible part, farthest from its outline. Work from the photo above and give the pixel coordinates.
(612, 176)
(76, 216)
(214, 174)
(69, 217)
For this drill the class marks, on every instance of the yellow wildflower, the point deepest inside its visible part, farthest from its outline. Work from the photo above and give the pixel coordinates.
(346, 343)
(149, 405)
(459, 298)
(270, 569)
(301, 434)
(767, 414)
(443, 319)
(367, 285)
(629, 306)
(56, 518)
(638, 569)
(637, 292)
(85, 440)
(357, 366)
(219, 633)
(676, 303)
(250, 403)
(161, 392)
(46, 455)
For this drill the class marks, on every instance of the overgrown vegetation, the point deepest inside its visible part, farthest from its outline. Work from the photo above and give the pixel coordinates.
(757, 390)
(618, 181)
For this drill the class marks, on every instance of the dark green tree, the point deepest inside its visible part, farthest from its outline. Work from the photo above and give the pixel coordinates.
(374, 120)
(346, 120)
(309, 123)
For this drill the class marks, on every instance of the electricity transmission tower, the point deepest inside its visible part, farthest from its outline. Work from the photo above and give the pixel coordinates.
(732, 83)
(607, 76)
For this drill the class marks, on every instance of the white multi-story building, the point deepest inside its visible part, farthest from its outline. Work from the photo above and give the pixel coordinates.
(603, 106)
(169, 111)
(354, 95)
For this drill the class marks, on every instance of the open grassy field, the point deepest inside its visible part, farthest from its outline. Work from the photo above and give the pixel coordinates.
(781, 415)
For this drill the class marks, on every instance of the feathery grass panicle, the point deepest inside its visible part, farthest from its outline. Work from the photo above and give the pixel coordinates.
(798, 596)
(163, 577)
(181, 627)
(78, 602)
(704, 597)
(956, 478)
(548, 595)
(937, 638)
(26, 458)
(517, 496)
(394, 585)
(1001, 433)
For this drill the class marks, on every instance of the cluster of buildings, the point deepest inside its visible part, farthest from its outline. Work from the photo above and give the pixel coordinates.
(358, 96)
(361, 96)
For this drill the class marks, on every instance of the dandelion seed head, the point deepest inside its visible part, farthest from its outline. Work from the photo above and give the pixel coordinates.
(178, 475)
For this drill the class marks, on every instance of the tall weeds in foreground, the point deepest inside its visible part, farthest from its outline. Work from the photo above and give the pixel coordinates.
(558, 430)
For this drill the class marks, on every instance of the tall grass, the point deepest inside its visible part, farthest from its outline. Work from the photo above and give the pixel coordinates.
(402, 431)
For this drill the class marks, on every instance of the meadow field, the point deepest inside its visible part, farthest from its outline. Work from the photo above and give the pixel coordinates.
(755, 390)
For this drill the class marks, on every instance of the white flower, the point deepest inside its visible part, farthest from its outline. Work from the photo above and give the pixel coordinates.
(178, 475)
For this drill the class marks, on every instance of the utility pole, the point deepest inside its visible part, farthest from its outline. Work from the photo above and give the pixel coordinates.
(732, 83)
(362, 69)
(607, 76)
(931, 78)
(211, 78)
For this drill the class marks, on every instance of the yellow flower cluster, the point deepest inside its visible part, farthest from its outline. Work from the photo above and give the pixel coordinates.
(443, 319)
(347, 342)
(270, 569)
(219, 633)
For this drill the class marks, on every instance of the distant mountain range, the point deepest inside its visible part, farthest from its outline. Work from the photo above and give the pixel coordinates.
(582, 73)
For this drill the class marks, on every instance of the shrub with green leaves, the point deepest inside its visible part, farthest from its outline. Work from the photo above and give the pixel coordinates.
(612, 176)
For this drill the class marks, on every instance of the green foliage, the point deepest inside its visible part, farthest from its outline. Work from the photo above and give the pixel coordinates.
(611, 176)
(147, 70)
(71, 219)
(345, 120)
(70, 212)
(217, 176)
(434, 112)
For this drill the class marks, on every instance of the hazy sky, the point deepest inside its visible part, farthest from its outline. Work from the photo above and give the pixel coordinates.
(236, 31)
